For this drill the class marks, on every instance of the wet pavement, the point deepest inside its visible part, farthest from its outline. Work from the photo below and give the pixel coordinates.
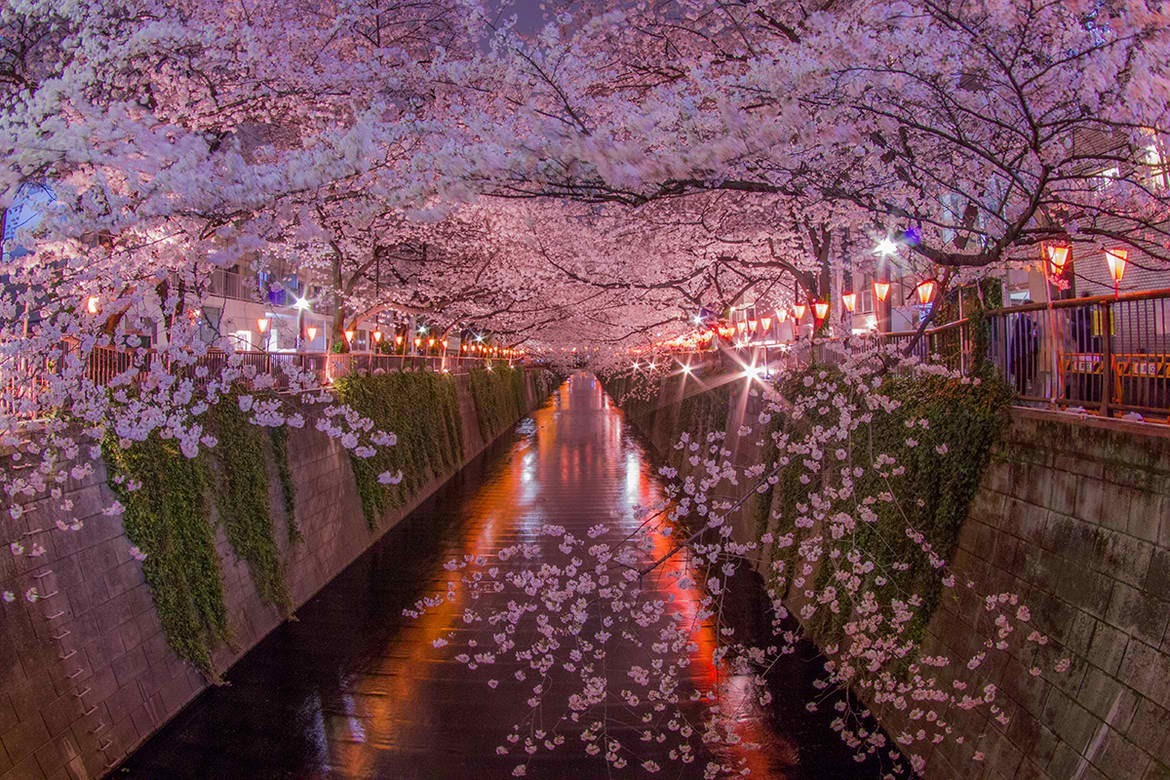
(355, 689)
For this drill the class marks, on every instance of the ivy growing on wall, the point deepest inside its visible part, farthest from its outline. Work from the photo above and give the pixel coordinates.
(167, 518)
(934, 490)
(422, 410)
(238, 475)
(498, 394)
(288, 488)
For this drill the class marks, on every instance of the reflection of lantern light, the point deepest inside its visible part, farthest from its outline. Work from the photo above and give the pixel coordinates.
(1057, 258)
(311, 332)
(766, 322)
(822, 309)
(377, 336)
(799, 309)
(850, 301)
(881, 290)
(925, 291)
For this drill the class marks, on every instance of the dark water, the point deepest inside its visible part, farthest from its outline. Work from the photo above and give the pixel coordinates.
(354, 689)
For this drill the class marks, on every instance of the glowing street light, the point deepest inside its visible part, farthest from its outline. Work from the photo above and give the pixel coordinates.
(302, 304)
(1116, 259)
(885, 247)
(926, 290)
(1057, 259)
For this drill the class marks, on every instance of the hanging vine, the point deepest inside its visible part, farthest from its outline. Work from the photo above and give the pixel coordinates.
(239, 480)
(422, 409)
(166, 518)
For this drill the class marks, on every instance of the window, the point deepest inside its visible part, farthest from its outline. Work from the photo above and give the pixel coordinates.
(1105, 178)
(1154, 161)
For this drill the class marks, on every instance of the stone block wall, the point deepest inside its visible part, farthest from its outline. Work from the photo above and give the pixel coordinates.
(86, 673)
(1074, 516)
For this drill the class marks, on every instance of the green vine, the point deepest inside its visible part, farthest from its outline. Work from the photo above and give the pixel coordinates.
(498, 394)
(932, 494)
(288, 489)
(239, 476)
(422, 410)
(166, 518)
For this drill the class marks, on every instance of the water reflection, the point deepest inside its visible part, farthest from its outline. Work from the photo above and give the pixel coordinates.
(356, 690)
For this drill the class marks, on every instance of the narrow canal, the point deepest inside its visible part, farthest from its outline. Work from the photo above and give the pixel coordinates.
(355, 689)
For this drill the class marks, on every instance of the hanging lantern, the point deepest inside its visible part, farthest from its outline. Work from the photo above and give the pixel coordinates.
(93, 304)
(925, 290)
(398, 339)
(766, 323)
(881, 291)
(262, 324)
(822, 309)
(444, 343)
(850, 301)
(311, 332)
(1116, 259)
(752, 325)
(781, 315)
(349, 334)
(417, 342)
(1057, 259)
(462, 347)
(741, 326)
(431, 343)
(377, 336)
(798, 309)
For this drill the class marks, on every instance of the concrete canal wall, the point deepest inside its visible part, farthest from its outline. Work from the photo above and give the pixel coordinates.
(1071, 514)
(86, 671)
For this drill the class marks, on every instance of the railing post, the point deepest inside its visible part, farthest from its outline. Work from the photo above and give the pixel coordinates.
(1106, 359)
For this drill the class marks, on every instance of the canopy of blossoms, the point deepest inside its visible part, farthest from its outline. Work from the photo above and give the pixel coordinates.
(591, 184)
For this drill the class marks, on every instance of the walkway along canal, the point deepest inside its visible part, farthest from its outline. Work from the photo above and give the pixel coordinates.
(353, 688)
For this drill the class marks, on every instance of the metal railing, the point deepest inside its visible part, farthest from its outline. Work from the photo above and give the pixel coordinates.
(105, 364)
(27, 380)
(1106, 354)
